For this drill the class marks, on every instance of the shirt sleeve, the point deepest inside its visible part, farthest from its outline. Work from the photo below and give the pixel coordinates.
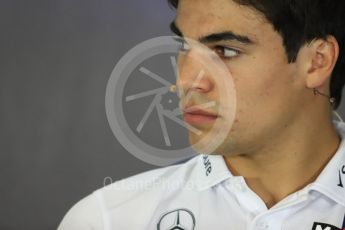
(85, 215)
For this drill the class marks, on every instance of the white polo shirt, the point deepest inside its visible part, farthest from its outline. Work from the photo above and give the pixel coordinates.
(202, 194)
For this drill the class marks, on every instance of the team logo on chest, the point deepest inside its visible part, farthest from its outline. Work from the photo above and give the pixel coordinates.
(180, 219)
(322, 226)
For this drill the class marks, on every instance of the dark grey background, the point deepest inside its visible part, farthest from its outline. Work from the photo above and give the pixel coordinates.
(55, 142)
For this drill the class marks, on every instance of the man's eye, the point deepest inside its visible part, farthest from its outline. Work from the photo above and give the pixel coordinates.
(225, 52)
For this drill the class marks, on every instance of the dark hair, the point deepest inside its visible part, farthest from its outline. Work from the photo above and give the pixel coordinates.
(301, 21)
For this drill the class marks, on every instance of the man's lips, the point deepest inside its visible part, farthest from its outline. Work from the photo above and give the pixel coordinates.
(195, 115)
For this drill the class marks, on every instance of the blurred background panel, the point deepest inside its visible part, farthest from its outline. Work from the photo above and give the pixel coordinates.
(55, 142)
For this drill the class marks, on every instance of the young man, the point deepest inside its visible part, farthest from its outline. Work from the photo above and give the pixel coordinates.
(282, 165)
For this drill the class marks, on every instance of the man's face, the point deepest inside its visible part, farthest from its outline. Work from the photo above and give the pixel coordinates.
(269, 90)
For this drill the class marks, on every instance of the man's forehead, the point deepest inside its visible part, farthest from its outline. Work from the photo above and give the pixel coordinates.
(197, 19)
(226, 35)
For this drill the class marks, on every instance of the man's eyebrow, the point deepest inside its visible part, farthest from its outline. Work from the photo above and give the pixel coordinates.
(216, 37)
(175, 29)
(226, 36)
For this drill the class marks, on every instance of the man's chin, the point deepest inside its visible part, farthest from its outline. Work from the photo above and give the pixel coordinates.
(202, 145)
(209, 144)
(205, 150)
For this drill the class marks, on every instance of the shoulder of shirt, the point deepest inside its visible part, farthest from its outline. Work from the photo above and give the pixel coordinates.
(92, 207)
(147, 182)
(84, 215)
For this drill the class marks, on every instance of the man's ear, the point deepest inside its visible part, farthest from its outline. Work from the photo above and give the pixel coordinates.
(321, 58)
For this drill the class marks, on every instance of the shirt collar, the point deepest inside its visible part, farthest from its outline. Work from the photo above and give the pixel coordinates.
(331, 181)
(211, 170)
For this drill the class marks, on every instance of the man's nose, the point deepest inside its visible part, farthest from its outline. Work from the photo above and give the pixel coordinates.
(193, 74)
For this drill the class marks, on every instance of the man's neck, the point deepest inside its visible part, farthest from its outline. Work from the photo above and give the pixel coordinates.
(288, 163)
